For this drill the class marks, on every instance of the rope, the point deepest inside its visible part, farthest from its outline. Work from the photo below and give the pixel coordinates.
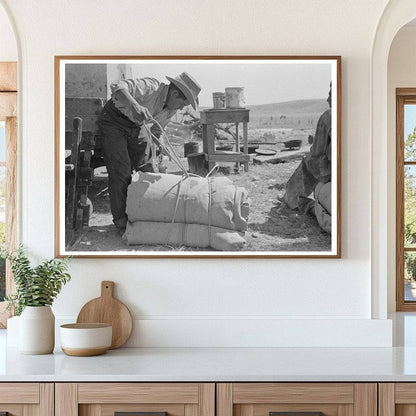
(176, 210)
(170, 151)
(167, 146)
(209, 209)
(184, 216)
(184, 223)
(212, 171)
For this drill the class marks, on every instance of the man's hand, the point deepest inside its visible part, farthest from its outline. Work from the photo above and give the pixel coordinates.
(140, 113)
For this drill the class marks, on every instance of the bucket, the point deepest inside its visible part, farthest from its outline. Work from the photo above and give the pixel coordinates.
(218, 99)
(190, 147)
(234, 97)
(197, 164)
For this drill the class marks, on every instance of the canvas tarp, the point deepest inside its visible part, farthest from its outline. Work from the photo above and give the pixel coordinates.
(216, 201)
(177, 234)
(323, 209)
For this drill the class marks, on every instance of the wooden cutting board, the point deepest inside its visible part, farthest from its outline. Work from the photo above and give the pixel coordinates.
(107, 309)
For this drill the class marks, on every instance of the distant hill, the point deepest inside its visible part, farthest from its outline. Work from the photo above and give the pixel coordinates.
(294, 114)
(297, 114)
(291, 107)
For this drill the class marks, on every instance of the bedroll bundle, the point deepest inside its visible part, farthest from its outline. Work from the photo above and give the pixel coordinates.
(192, 211)
(323, 208)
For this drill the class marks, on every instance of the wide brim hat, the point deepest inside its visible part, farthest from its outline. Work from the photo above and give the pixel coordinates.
(188, 86)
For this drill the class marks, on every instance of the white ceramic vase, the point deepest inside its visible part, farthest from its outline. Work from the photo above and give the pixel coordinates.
(37, 330)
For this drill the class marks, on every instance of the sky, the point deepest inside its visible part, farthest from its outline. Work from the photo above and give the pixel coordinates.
(409, 119)
(264, 81)
(2, 141)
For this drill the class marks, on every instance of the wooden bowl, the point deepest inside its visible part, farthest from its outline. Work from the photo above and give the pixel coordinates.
(266, 152)
(84, 340)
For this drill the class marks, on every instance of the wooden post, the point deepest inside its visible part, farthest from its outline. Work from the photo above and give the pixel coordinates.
(386, 399)
(245, 142)
(11, 199)
(71, 182)
(208, 139)
(11, 206)
(46, 399)
(237, 143)
(8, 108)
(66, 399)
(224, 399)
(207, 399)
(8, 105)
(8, 76)
(365, 399)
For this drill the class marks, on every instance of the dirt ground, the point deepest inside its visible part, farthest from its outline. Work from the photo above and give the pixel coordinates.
(272, 225)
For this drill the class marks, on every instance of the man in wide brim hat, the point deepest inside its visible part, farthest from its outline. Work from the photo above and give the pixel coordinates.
(132, 103)
(188, 86)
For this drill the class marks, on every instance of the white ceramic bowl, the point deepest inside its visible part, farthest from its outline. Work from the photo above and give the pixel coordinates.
(84, 340)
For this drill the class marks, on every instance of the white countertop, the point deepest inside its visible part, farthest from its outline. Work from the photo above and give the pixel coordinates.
(213, 364)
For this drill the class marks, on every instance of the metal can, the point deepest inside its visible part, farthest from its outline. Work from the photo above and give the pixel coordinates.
(234, 97)
(218, 99)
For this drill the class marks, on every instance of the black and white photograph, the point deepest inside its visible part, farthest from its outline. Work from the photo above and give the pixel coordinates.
(198, 156)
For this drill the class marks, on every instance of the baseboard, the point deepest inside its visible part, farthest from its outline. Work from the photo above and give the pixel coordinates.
(165, 332)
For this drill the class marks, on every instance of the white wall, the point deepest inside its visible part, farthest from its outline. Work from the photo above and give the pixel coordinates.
(179, 302)
(401, 74)
(8, 47)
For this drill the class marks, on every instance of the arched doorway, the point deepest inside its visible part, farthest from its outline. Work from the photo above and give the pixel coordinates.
(396, 14)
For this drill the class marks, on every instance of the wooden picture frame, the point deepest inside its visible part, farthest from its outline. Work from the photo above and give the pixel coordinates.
(277, 103)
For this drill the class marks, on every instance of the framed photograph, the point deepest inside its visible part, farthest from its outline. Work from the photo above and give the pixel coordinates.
(198, 156)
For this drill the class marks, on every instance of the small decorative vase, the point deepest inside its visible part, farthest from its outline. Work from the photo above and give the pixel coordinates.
(37, 330)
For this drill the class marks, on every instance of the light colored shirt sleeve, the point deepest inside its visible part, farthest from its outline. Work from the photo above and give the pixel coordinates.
(139, 89)
(149, 93)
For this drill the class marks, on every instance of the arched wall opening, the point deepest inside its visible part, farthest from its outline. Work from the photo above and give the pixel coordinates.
(397, 14)
(400, 74)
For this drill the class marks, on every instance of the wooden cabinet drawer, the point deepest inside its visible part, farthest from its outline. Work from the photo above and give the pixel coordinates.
(331, 399)
(23, 399)
(397, 399)
(105, 399)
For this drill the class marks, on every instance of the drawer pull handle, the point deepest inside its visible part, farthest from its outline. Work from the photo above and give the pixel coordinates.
(296, 414)
(139, 414)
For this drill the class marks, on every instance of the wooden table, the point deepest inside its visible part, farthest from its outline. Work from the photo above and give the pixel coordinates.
(229, 115)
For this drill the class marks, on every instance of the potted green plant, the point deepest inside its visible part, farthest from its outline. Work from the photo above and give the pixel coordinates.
(36, 289)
